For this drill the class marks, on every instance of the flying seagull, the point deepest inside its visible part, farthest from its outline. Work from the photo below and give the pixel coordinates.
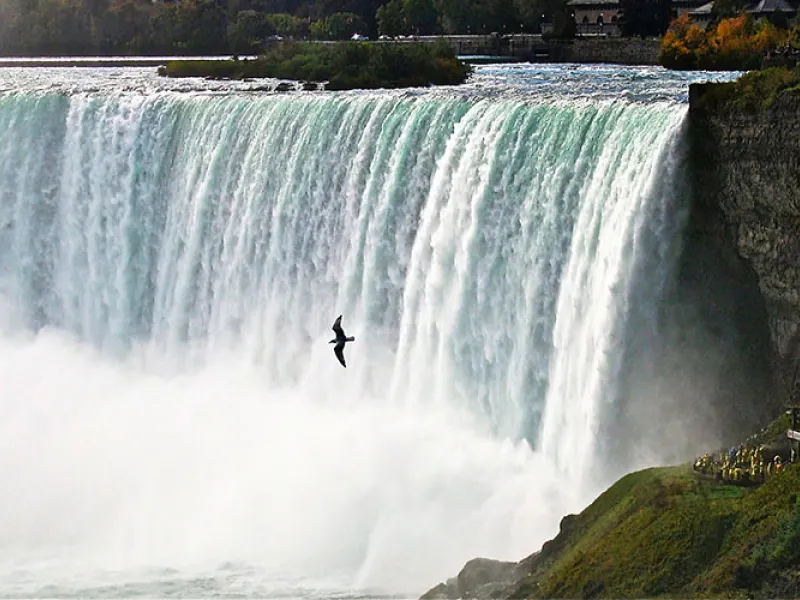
(340, 340)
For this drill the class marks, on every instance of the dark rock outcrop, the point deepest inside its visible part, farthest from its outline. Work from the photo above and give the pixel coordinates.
(480, 578)
(746, 183)
(485, 579)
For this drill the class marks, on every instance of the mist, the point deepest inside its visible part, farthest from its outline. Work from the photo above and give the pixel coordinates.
(169, 273)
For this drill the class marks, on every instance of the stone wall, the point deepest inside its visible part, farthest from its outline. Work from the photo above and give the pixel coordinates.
(623, 51)
(601, 49)
(747, 199)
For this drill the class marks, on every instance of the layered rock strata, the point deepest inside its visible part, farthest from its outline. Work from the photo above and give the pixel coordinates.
(746, 178)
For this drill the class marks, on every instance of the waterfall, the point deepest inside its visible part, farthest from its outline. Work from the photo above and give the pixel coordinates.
(178, 259)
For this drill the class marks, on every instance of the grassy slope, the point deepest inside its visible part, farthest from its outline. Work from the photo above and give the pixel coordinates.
(663, 532)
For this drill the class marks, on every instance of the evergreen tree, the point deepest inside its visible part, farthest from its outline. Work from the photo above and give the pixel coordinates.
(246, 35)
(391, 19)
(339, 26)
(421, 16)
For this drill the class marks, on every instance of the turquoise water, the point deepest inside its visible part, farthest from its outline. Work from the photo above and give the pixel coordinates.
(173, 254)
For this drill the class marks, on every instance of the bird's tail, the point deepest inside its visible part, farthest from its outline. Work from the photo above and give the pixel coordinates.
(350, 339)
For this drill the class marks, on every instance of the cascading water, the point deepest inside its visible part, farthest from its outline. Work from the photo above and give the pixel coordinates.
(170, 267)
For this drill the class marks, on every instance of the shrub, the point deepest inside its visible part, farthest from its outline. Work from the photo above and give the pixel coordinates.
(752, 92)
(347, 65)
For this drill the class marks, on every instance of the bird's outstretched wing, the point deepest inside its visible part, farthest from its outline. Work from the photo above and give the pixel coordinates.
(338, 350)
(337, 327)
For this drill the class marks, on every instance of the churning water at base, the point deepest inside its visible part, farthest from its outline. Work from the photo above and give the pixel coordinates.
(172, 420)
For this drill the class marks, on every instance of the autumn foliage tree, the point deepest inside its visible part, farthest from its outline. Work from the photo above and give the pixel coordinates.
(738, 43)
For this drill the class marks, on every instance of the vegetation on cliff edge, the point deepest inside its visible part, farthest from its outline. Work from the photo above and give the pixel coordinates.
(344, 66)
(752, 92)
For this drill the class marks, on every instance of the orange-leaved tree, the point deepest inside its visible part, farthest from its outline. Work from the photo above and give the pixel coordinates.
(734, 43)
(682, 44)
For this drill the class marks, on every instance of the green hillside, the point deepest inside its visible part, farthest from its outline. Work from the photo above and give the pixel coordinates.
(662, 532)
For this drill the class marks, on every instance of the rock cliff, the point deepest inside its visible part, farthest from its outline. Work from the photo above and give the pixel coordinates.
(745, 165)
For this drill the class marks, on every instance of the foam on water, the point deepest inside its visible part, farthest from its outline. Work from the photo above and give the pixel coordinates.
(170, 266)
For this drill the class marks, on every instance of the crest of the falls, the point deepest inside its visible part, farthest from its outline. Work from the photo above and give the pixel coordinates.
(171, 265)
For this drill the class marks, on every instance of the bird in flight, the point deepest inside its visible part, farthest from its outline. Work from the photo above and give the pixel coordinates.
(340, 340)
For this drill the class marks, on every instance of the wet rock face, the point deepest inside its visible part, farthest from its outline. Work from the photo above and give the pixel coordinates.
(746, 178)
(480, 578)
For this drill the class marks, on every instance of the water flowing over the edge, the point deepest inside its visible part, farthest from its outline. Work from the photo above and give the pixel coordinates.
(194, 251)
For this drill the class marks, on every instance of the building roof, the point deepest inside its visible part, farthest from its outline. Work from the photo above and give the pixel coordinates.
(588, 3)
(771, 6)
(703, 10)
(687, 3)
